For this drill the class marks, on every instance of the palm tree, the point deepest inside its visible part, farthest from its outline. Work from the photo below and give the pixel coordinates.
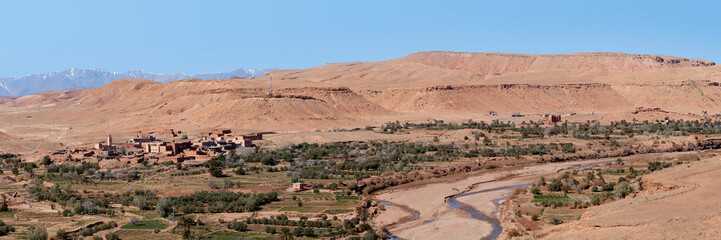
(285, 234)
(186, 223)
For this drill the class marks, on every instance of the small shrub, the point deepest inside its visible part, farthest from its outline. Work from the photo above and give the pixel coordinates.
(238, 226)
(216, 172)
(595, 199)
(656, 165)
(608, 187)
(61, 234)
(516, 232)
(112, 236)
(90, 231)
(369, 235)
(535, 190)
(555, 185)
(37, 233)
(5, 229)
(622, 189)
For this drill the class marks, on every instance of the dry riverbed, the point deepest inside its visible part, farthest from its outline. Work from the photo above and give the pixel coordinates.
(437, 221)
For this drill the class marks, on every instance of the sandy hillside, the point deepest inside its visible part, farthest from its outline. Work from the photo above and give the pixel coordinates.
(506, 83)
(13, 144)
(418, 87)
(126, 106)
(427, 69)
(4, 99)
(678, 203)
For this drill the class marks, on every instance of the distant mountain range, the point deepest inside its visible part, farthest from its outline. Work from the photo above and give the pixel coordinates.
(76, 78)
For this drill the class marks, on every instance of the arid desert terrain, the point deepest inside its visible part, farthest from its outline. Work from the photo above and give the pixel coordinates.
(433, 145)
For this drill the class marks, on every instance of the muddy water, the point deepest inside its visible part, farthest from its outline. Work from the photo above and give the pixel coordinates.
(414, 213)
(496, 226)
(453, 203)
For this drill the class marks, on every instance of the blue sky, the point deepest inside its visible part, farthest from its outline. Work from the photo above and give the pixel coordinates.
(220, 36)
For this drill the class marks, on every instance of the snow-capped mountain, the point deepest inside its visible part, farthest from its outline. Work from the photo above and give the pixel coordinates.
(76, 78)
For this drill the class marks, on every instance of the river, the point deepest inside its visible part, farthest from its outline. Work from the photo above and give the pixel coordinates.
(497, 228)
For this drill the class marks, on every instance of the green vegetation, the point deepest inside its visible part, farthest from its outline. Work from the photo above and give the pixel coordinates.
(622, 189)
(105, 226)
(4, 206)
(146, 224)
(164, 207)
(555, 185)
(560, 200)
(37, 233)
(215, 202)
(551, 198)
(282, 220)
(555, 200)
(112, 236)
(61, 234)
(337, 211)
(656, 165)
(5, 229)
(336, 177)
(238, 226)
(302, 209)
(230, 235)
(587, 131)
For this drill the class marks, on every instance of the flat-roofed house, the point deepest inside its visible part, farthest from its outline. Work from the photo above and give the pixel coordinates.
(551, 119)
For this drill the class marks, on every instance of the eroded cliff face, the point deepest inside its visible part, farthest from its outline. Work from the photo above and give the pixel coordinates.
(428, 69)
(680, 97)
(203, 101)
(497, 63)
(428, 82)
(503, 98)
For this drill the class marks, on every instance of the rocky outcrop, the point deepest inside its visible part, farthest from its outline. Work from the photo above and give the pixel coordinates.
(686, 97)
(498, 63)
